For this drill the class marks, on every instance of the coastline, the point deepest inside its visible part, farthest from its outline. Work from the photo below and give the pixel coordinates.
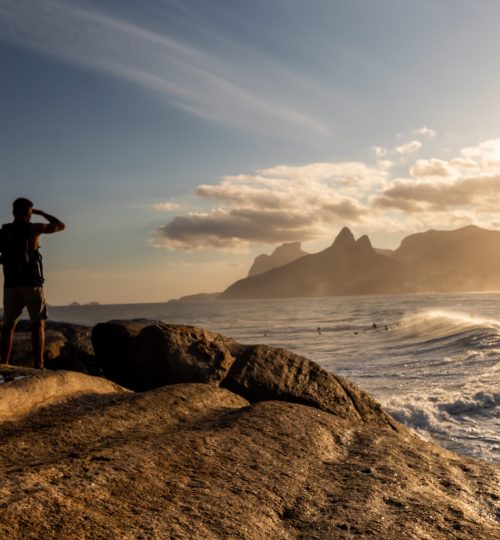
(414, 370)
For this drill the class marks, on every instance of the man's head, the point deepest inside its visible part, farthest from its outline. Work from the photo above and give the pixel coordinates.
(21, 208)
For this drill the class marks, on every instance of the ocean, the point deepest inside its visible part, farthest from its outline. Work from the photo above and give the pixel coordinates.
(432, 361)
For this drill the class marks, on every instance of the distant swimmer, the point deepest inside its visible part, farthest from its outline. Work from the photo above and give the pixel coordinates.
(386, 328)
(374, 325)
(319, 330)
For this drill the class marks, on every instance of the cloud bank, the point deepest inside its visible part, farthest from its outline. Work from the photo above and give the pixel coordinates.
(308, 202)
(277, 204)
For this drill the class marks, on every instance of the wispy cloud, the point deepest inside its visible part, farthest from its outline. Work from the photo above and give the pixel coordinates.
(427, 132)
(285, 202)
(246, 91)
(408, 148)
(167, 206)
(380, 151)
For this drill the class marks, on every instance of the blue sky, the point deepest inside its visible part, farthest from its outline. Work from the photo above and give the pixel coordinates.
(179, 139)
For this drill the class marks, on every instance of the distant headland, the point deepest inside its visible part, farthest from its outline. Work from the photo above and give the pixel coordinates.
(461, 260)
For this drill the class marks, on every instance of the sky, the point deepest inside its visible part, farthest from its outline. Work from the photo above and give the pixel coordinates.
(179, 139)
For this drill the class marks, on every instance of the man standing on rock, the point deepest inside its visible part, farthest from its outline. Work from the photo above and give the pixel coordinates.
(23, 276)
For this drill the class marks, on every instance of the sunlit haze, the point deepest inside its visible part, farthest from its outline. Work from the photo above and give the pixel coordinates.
(179, 139)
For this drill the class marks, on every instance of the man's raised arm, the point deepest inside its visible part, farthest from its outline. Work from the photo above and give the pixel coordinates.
(53, 225)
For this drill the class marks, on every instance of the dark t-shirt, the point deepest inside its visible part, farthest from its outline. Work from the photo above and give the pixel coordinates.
(22, 266)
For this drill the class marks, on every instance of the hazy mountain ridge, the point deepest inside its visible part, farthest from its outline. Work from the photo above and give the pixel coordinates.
(466, 259)
(346, 267)
(284, 254)
(197, 298)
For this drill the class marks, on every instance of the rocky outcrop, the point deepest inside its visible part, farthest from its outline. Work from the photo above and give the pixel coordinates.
(228, 441)
(67, 346)
(196, 461)
(110, 343)
(146, 356)
(262, 373)
(142, 356)
(24, 390)
(284, 254)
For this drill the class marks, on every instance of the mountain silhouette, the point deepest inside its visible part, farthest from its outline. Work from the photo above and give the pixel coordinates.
(346, 267)
(465, 259)
(462, 260)
(282, 255)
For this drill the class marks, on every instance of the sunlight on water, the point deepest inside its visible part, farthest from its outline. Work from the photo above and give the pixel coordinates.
(441, 320)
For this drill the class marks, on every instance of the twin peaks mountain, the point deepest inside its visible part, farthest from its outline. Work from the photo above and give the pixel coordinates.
(466, 259)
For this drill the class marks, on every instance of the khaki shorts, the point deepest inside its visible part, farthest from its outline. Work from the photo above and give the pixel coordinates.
(15, 299)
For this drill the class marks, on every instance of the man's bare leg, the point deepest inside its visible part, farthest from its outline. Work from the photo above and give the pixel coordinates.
(6, 341)
(38, 342)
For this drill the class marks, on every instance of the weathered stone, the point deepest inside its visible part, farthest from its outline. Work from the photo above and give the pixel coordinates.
(150, 356)
(111, 342)
(194, 461)
(81, 457)
(264, 373)
(169, 354)
(67, 346)
(25, 390)
(22, 350)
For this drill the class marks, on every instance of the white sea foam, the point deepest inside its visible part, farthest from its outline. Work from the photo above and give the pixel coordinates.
(458, 418)
(479, 402)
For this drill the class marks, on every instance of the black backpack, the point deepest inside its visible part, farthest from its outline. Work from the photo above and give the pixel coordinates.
(22, 266)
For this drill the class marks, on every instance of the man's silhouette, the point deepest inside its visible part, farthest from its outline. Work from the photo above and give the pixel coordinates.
(23, 276)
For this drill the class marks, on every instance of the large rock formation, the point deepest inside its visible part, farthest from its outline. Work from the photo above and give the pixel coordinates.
(146, 356)
(230, 441)
(346, 267)
(284, 254)
(467, 259)
(264, 445)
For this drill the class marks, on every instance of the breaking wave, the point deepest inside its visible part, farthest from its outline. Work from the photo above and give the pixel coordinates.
(454, 419)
